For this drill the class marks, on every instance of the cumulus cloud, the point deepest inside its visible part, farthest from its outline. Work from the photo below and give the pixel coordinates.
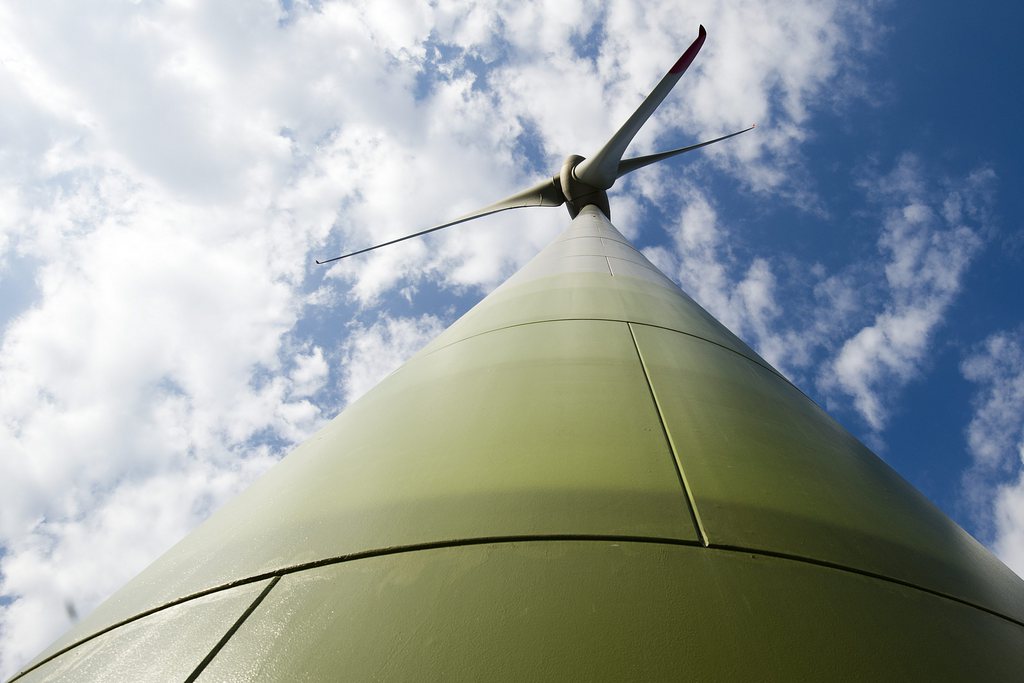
(928, 240)
(863, 331)
(791, 326)
(145, 386)
(78, 560)
(372, 353)
(742, 297)
(767, 62)
(171, 169)
(994, 484)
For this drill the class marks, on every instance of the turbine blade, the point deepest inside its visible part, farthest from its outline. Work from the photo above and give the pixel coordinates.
(630, 165)
(544, 193)
(601, 169)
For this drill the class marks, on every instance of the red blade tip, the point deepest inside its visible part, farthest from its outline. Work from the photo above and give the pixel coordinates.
(691, 52)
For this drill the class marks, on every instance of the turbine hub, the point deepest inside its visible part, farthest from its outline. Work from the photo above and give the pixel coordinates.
(578, 193)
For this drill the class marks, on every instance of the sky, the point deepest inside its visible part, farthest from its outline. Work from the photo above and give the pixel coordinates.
(169, 171)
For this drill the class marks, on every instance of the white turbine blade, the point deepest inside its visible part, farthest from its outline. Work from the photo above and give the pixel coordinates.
(601, 170)
(630, 165)
(544, 193)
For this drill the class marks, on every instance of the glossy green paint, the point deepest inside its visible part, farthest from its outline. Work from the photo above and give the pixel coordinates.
(596, 276)
(483, 447)
(586, 405)
(769, 470)
(167, 645)
(598, 610)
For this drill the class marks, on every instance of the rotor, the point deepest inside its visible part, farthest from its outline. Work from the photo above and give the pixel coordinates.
(585, 181)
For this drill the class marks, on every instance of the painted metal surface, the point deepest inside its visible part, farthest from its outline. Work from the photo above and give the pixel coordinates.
(164, 646)
(579, 611)
(541, 467)
(591, 272)
(770, 470)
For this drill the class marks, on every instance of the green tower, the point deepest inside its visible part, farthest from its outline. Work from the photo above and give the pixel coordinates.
(586, 476)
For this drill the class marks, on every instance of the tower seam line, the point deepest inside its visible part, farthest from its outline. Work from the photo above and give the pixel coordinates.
(484, 540)
(691, 501)
(231, 631)
(614, 320)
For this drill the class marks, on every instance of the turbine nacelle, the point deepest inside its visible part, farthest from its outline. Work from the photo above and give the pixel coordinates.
(585, 181)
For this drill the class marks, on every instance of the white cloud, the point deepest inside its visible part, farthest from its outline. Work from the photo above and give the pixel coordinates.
(994, 485)
(926, 256)
(1009, 522)
(744, 293)
(773, 63)
(69, 561)
(310, 373)
(929, 234)
(372, 353)
(135, 393)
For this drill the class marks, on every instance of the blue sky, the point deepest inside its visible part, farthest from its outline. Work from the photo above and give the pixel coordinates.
(169, 171)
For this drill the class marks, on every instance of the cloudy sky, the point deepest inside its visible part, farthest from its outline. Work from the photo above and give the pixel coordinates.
(170, 169)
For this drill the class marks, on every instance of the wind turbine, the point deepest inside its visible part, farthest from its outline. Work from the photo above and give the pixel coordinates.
(586, 476)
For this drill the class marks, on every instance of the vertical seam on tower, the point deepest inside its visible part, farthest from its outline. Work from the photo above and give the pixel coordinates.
(691, 501)
(606, 259)
(231, 631)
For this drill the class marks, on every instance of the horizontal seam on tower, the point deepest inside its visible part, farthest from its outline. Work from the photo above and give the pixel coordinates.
(232, 630)
(646, 266)
(340, 559)
(596, 237)
(495, 540)
(616, 320)
(862, 572)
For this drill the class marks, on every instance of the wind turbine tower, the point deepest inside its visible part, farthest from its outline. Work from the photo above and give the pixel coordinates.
(585, 477)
